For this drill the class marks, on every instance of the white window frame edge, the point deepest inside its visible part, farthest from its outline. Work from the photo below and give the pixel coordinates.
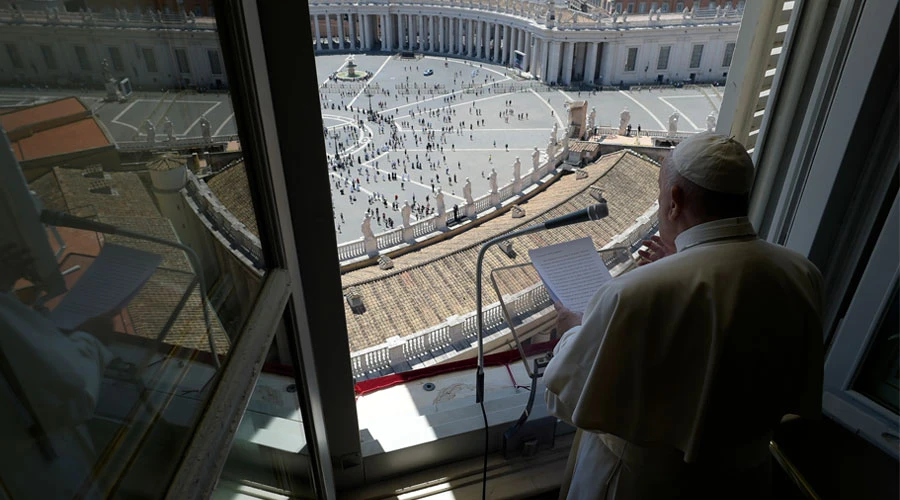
(827, 150)
(861, 415)
(751, 53)
(791, 71)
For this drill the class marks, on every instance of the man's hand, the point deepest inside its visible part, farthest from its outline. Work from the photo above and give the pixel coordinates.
(656, 249)
(15, 262)
(565, 318)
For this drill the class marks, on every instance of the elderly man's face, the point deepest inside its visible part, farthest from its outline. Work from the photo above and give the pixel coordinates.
(666, 224)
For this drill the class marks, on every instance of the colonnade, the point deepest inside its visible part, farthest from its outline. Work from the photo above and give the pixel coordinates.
(551, 61)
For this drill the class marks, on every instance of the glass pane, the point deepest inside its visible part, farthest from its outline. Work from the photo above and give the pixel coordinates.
(270, 451)
(879, 377)
(112, 343)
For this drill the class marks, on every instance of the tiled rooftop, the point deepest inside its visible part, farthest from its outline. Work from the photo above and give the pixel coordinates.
(33, 115)
(132, 208)
(232, 189)
(427, 286)
(76, 136)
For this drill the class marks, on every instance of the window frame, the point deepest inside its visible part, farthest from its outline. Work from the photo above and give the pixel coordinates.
(15, 57)
(148, 51)
(49, 62)
(182, 61)
(664, 67)
(694, 53)
(215, 62)
(631, 63)
(728, 56)
(83, 58)
(112, 59)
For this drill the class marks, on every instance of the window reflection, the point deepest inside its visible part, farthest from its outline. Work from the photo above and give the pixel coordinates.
(114, 330)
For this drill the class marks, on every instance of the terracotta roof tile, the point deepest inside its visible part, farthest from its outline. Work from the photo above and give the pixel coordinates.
(42, 112)
(428, 286)
(233, 190)
(76, 136)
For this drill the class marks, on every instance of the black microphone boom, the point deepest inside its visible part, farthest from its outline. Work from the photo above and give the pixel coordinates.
(593, 212)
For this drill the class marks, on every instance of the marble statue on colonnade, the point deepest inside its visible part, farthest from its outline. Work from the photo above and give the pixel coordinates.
(169, 130)
(624, 120)
(673, 124)
(592, 118)
(441, 209)
(205, 129)
(470, 203)
(151, 132)
(554, 133)
(369, 242)
(405, 212)
(711, 120)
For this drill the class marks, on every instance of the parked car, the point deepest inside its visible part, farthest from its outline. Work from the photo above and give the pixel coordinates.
(428, 72)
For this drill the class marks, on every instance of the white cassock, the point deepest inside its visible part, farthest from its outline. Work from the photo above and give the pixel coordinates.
(60, 377)
(682, 368)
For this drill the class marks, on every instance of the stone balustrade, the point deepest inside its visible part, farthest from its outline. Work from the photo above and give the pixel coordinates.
(554, 16)
(115, 18)
(393, 239)
(460, 333)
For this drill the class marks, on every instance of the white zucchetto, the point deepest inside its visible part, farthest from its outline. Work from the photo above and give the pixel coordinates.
(714, 162)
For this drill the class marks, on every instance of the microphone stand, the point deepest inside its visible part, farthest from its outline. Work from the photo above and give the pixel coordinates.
(594, 212)
(65, 220)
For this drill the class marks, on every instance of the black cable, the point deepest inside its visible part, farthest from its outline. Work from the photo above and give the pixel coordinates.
(484, 468)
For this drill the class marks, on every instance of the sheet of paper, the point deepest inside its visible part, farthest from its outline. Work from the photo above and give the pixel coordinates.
(572, 272)
(113, 279)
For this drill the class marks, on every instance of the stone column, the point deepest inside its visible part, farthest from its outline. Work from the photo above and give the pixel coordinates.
(531, 45)
(420, 36)
(486, 41)
(554, 56)
(471, 39)
(568, 60)
(497, 30)
(387, 31)
(410, 32)
(507, 44)
(399, 32)
(590, 62)
(318, 35)
(328, 31)
(441, 21)
(459, 36)
(353, 18)
(340, 20)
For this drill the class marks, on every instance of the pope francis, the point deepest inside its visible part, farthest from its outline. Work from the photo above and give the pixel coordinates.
(682, 368)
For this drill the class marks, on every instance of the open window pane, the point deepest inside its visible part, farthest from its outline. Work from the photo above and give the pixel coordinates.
(112, 343)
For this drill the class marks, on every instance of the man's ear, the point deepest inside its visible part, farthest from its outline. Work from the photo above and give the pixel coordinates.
(676, 203)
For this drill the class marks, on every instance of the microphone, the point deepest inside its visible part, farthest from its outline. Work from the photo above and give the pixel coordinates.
(61, 219)
(593, 212)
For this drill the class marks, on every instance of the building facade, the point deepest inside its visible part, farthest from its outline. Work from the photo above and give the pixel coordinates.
(552, 43)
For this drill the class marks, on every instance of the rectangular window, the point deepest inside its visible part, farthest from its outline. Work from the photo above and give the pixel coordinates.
(182, 61)
(696, 55)
(631, 8)
(149, 59)
(664, 7)
(642, 7)
(115, 57)
(215, 65)
(679, 7)
(83, 62)
(729, 53)
(663, 61)
(619, 8)
(632, 59)
(49, 56)
(14, 56)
